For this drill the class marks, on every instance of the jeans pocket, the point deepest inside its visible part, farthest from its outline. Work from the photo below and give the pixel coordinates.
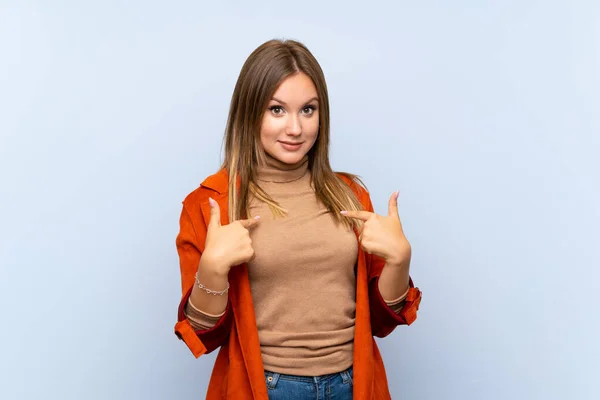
(271, 379)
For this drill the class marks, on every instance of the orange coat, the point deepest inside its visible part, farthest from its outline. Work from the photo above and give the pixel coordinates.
(238, 371)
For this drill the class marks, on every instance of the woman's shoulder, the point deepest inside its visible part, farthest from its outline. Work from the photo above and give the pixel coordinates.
(355, 183)
(214, 185)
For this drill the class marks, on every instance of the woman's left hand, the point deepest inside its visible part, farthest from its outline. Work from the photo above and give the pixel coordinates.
(383, 235)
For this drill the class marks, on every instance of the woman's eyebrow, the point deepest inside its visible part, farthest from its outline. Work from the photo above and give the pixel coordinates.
(285, 104)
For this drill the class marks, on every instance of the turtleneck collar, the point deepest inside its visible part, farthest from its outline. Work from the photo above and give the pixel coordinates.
(276, 171)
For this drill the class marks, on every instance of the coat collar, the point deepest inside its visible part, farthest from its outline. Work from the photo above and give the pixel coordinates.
(218, 182)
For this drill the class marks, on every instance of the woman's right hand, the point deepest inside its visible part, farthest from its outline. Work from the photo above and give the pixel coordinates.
(226, 245)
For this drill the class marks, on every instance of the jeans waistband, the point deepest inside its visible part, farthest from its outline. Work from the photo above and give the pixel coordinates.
(345, 375)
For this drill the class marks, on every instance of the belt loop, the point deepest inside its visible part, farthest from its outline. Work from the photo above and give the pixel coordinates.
(346, 376)
(271, 379)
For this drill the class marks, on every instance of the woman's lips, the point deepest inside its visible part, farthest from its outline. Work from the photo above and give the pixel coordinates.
(290, 146)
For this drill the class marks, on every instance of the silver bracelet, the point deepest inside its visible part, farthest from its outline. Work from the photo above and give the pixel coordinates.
(209, 291)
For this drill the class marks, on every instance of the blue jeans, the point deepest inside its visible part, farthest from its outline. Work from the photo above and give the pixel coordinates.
(326, 387)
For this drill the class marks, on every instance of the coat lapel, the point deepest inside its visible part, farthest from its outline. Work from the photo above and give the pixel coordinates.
(363, 348)
(240, 296)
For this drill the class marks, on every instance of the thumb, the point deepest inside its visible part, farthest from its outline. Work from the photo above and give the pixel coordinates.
(215, 214)
(393, 205)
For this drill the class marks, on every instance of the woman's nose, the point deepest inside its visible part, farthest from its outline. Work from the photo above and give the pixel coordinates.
(294, 128)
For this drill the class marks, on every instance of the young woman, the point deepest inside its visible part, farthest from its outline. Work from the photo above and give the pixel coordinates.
(284, 264)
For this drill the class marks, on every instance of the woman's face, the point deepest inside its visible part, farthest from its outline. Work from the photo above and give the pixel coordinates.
(291, 122)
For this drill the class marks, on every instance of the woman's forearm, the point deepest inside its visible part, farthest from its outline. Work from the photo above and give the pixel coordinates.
(201, 299)
(394, 281)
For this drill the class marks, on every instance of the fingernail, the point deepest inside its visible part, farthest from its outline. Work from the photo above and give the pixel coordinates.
(343, 212)
(211, 201)
(257, 217)
(397, 193)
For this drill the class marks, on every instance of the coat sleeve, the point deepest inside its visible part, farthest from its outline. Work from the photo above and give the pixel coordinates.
(189, 242)
(383, 318)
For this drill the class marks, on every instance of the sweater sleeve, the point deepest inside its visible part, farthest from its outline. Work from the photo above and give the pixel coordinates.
(398, 304)
(199, 319)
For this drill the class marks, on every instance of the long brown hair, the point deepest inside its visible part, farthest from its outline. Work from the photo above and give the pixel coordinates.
(264, 70)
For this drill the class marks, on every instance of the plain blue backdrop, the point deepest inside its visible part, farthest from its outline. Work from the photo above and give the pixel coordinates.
(484, 114)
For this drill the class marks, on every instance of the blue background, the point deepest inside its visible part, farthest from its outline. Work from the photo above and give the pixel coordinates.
(484, 114)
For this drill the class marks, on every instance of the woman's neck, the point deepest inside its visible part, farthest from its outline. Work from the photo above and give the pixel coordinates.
(277, 171)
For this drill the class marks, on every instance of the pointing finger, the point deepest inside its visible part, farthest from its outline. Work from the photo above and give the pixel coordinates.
(361, 215)
(249, 223)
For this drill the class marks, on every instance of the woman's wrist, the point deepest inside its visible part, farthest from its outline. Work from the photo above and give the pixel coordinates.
(213, 267)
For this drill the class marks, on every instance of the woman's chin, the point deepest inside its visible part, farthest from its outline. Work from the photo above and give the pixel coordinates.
(288, 157)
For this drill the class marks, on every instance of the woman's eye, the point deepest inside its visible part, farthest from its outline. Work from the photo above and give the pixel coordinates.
(277, 110)
(308, 110)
